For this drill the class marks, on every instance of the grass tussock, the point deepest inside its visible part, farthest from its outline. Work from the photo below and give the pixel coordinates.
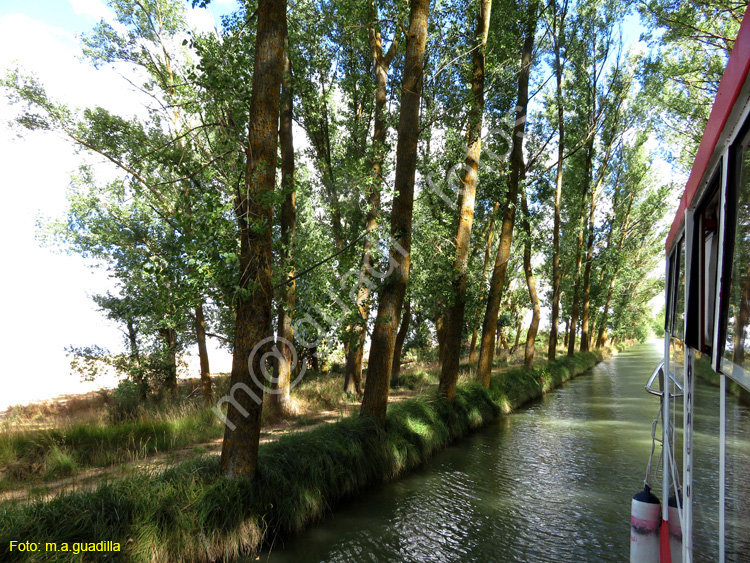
(419, 379)
(320, 391)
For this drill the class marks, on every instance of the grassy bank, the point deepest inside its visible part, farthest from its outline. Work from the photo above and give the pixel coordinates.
(40, 444)
(190, 513)
(518, 386)
(34, 456)
(59, 452)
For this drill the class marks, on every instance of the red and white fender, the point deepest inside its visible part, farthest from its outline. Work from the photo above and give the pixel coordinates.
(675, 532)
(645, 521)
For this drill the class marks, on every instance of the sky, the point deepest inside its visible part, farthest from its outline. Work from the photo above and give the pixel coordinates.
(46, 294)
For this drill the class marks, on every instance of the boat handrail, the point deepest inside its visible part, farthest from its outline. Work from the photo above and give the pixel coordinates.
(649, 385)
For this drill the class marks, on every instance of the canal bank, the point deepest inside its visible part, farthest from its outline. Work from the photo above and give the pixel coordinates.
(190, 513)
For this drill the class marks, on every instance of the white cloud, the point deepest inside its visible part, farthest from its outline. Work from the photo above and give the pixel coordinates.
(91, 8)
(201, 20)
(45, 294)
(34, 42)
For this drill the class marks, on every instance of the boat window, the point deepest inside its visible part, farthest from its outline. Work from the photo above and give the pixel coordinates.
(737, 338)
(710, 257)
(679, 309)
(668, 314)
(701, 310)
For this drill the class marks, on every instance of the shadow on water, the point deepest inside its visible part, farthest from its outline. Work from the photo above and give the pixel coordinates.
(552, 482)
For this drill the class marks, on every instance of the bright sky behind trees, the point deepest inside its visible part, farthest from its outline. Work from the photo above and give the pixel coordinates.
(41, 36)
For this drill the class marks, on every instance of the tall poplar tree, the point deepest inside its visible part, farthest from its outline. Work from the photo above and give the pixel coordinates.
(455, 315)
(381, 62)
(239, 452)
(497, 281)
(375, 400)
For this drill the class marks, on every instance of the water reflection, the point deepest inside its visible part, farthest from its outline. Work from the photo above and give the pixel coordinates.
(552, 482)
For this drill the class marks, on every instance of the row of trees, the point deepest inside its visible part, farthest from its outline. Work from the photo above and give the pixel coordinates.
(417, 172)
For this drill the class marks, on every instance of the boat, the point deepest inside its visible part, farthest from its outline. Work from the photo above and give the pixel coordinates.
(706, 335)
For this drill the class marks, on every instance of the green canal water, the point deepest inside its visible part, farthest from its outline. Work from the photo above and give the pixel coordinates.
(552, 482)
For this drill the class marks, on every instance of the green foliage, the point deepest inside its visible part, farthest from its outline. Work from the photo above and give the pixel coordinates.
(690, 43)
(147, 372)
(658, 323)
(166, 228)
(126, 402)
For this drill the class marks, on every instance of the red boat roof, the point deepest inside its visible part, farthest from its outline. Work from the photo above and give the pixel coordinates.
(731, 84)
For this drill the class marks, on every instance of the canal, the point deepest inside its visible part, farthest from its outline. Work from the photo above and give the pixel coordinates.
(552, 482)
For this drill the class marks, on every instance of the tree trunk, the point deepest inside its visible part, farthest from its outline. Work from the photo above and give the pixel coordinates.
(558, 35)
(375, 400)
(281, 397)
(519, 324)
(587, 272)
(485, 268)
(133, 339)
(400, 338)
(567, 331)
(579, 249)
(473, 344)
(170, 343)
(353, 367)
(200, 335)
(314, 363)
(585, 337)
(440, 332)
(487, 348)
(239, 454)
(467, 198)
(623, 299)
(601, 339)
(380, 62)
(528, 360)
